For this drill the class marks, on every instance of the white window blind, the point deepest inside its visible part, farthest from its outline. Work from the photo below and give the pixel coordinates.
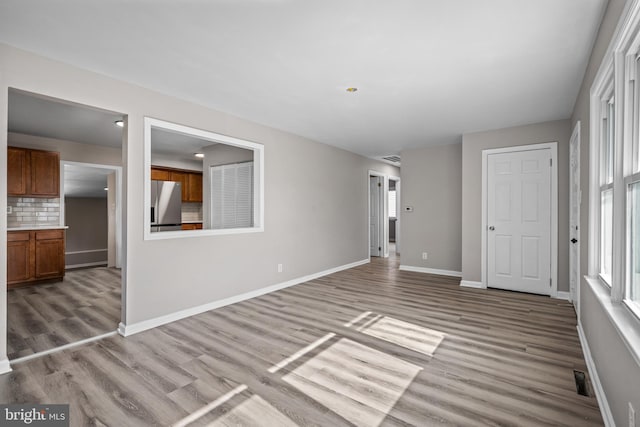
(232, 195)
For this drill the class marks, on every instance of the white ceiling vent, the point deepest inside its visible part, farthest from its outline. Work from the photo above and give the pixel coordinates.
(393, 159)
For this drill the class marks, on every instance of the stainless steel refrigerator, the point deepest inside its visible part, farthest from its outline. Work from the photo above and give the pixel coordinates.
(166, 206)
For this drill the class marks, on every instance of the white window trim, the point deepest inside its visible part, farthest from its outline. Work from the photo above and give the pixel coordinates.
(258, 177)
(614, 65)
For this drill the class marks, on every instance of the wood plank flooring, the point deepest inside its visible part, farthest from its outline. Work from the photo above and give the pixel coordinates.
(45, 316)
(368, 346)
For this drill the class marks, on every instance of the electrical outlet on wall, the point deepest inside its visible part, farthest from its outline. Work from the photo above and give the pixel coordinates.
(279, 268)
(425, 255)
(9, 209)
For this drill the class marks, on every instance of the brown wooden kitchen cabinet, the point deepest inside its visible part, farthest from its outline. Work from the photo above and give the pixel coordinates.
(180, 177)
(34, 255)
(160, 174)
(194, 187)
(19, 257)
(192, 226)
(33, 173)
(191, 181)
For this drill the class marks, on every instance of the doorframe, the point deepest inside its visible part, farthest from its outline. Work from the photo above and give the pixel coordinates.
(553, 147)
(383, 210)
(398, 204)
(118, 199)
(575, 139)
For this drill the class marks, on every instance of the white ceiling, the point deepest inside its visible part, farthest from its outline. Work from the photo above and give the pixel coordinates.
(83, 181)
(40, 116)
(426, 71)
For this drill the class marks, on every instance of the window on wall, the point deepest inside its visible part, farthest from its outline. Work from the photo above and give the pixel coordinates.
(631, 288)
(614, 181)
(616, 197)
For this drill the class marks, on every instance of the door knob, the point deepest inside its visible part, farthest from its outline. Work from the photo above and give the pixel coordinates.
(574, 240)
(491, 227)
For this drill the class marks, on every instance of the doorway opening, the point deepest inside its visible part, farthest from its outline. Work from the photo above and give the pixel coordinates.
(83, 300)
(393, 204)
(377, 239)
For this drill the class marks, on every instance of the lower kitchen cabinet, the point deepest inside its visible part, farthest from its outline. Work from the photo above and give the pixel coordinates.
(34, 255)
(19, 257)
(192, 226)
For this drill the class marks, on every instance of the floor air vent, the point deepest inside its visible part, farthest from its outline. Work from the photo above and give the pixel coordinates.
(581, 383)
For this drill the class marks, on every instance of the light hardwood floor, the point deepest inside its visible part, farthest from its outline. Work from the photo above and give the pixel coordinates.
(45, 316)
(367, 346)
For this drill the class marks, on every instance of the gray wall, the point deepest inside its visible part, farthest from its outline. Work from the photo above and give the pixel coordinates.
(87, 219)
(472, 146)
(315, 198)
(618, 371)
(431, 183)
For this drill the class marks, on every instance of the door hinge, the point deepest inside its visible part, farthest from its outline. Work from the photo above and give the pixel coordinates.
(550, 281)
(379, 185)
(379, 249)
(550, 162)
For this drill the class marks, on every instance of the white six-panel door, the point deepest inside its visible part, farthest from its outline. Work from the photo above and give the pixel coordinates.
(519, 221)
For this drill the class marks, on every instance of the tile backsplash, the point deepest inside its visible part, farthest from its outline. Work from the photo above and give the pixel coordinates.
(27, 211)
(191, 212)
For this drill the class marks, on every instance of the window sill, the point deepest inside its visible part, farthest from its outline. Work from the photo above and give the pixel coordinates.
(624, 321)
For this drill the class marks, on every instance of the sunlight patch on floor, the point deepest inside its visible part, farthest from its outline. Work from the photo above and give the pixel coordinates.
(405, 334)
(210, 407)
(298, 354)
(357, 382)
(255, 411)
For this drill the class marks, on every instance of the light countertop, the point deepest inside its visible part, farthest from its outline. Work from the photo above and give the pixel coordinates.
(38, 227)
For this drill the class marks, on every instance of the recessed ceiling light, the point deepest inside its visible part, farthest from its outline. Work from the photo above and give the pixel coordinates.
(119, 123)
(352, 89)
(199, 155)
(106, 188)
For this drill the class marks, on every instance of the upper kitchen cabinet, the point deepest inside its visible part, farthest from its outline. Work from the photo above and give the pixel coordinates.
(191, 181)
(160, 174)
(180, 177)
(17, 173)
(194, 187)
(34, 173)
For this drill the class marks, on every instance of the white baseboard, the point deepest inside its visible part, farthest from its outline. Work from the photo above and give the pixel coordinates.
(4, 366)
(605, 410)
(86, 264)
(431, 271)
(88, 251)
(563, 295)
(472, 284)
(134, 328)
